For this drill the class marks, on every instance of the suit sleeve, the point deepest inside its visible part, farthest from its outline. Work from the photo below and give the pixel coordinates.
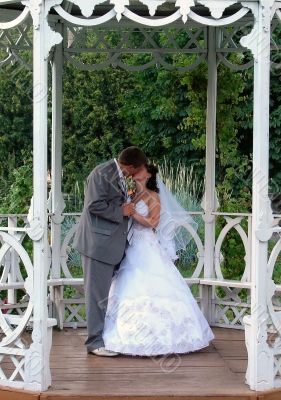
(97, 198)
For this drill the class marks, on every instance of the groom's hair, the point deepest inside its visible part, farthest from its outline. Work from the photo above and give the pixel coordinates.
(132, 156)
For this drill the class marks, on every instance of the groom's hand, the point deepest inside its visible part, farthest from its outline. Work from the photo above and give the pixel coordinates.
(128, 209)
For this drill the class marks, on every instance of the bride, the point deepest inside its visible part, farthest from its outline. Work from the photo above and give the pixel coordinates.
(151, 310)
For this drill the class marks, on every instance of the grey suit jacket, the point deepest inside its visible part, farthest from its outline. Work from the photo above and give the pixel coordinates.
(102, 229)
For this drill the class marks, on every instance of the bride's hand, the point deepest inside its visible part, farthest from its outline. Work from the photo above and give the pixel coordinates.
(135, 214)
(128, 209)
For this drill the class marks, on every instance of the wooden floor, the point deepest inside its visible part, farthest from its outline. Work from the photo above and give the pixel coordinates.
(213, 373)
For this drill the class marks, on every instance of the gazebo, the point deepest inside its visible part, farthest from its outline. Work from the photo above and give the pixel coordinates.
(215, 29)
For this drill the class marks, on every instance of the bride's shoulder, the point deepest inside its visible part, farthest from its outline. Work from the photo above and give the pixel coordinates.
(153, 196)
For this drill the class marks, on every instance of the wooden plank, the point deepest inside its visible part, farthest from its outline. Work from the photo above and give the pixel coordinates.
(237, 365)
(57, 396)
(132, 375)
(212, 360)
(220, 382)
(228, 334)
(270, 395)
(75, 372)
(236, 349)
(122, 359)
(216, 372)
(17, 394)
(81, 349)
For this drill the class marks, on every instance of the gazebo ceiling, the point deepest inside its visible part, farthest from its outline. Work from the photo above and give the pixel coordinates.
(135, 5)
(77, 20)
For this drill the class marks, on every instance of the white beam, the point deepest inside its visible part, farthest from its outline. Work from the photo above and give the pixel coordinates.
(40, 85)
(260, 371)
(57, 203)
(37, 366)
(209, 202)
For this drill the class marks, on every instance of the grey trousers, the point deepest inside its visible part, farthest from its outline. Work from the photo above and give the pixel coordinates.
(97, 281)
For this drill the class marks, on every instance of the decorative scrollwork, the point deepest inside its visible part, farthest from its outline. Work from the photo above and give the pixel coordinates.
(16, 45)
(217, 7)
(273, 308)
(82, 21)
(230, 52)
(152, 5)
(232, 223)
(119, 7)
(36, 230)
(184, 9)
(263, 25)
(160, 47)
(232, 303)
(87, 6)
(275, 40)
(17, 21)
(39, 11)
(228, 20)
(194, 51)
(275, 316)
(66, 249)
(12, 334)
(249, 41)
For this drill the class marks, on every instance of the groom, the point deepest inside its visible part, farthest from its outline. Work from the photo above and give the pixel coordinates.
(102, 235)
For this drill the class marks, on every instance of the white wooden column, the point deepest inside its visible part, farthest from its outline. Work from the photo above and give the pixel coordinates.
(57, 203)
(38, 362)
(260, 357)
(37, 367)
(209, 202)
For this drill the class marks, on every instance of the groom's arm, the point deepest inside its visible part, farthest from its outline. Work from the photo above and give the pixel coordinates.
(97, 200)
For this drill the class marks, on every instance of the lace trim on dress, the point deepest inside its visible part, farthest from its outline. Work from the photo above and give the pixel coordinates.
(149, 328)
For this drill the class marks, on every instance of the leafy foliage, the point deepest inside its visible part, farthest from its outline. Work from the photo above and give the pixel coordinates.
(161, 111)
(15, 116)
(17, 198)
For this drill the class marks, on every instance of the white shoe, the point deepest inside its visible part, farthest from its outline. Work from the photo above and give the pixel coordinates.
(102, 351)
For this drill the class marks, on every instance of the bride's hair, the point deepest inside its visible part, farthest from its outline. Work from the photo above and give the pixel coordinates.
(151, 184)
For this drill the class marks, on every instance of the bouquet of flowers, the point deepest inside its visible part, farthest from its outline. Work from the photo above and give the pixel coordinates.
(131, 187)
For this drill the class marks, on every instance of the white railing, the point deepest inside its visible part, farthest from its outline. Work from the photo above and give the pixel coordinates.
(229, 298)
(16, 299)
(229, 304)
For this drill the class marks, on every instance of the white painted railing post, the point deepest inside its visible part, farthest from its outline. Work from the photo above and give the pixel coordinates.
(209, 202)
(57, 202)
(37, 366)
(13, 263)
(260, 371)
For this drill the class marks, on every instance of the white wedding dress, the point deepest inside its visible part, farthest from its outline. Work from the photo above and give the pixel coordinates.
(151, 310)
